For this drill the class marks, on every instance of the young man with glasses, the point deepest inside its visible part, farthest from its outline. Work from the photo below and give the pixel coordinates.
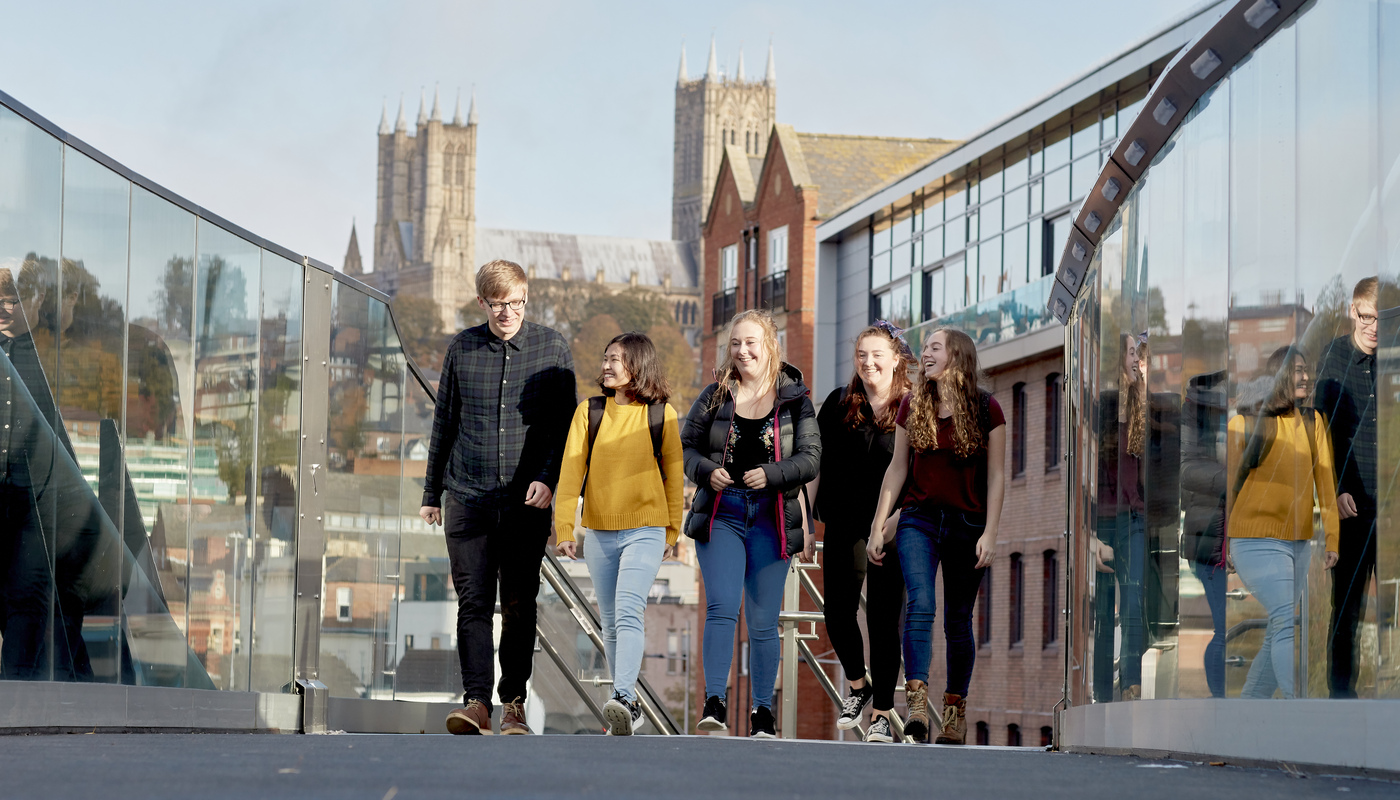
(1346, 395)
(505, 400)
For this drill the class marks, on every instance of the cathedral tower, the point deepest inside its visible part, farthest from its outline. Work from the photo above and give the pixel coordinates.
(425, 225)
(712, 111)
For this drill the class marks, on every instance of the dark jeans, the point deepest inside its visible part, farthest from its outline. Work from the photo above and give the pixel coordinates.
(39, 644)
(1126, 534)
(1351, 578)
(485, 545)
(1214, 578)
(845, 570)
(926, 538)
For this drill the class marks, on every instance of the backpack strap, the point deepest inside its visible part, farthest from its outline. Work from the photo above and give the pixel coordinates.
(656, 421)
(596, 405)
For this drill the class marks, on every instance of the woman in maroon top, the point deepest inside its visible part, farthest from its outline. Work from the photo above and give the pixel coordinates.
(947, 475)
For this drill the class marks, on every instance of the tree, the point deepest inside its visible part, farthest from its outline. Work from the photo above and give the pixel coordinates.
(634, 309)
(678, 358)
(588, 346)
(420, 328)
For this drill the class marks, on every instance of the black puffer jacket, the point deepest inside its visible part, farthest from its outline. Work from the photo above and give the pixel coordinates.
(798, 455)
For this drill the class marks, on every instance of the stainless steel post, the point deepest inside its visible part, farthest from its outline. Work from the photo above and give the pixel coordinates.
(790, 604)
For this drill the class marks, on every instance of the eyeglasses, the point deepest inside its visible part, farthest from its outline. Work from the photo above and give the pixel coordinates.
(514, 305)
(10, 305)
(1366, 319)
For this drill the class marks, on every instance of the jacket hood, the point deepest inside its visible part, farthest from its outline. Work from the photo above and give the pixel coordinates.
(789, 384)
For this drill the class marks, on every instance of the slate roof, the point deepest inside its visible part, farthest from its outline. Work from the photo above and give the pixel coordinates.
(550, 253)
(847, 169)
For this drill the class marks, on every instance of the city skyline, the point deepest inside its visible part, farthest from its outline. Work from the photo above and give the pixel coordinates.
(193, 100)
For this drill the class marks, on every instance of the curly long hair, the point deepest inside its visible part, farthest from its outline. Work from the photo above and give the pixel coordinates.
(727, 376)
(647, 383)
(956, 388)
(1133, 396)
(856, 400)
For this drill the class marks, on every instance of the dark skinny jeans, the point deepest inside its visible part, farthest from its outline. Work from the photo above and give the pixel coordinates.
(845, 570)
(926, 538)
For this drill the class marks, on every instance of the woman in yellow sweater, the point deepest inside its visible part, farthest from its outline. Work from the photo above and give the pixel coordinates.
(632, 498)
(1281, 457)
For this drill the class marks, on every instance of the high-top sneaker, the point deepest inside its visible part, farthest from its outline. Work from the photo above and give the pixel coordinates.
(714, 717)
(879, 730)
(761, 723)
(916, 696)
(854, 708)
(954, 720)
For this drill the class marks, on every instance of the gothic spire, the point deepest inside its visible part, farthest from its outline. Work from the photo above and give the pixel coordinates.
(457, 114)
(712, 68)
(353, 264)
(422, 107)
(681, 77)
(384, 119)
(739, 72)
(402, 124)
(437, 105)
(471, 113)
(770, 77)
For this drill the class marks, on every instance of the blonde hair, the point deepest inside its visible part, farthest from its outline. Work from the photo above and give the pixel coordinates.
(957, 389)
(728, 375)
(497, 279)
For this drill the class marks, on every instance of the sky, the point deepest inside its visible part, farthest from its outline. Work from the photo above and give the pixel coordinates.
(266, 111)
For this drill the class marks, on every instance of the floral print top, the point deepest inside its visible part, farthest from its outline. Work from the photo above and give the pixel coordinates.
(750, 445)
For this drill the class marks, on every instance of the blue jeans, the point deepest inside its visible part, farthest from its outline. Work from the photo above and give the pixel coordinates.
(926, 538)
(741, 562)
(1274, 571)
(1126, 534)
(623, 565)
(1213, 578)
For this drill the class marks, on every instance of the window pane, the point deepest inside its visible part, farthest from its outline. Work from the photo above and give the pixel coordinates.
(1014, 258)
(955, 235)
(899, 305)
(989, 217)
(991, 281)
(1057, 148)
(880, 269)
(1057, 189)
(1085, 172)
(901, 258)
(1086, 137)
(933, 244)
(226, 363)
(934, 300)
(1035, 250)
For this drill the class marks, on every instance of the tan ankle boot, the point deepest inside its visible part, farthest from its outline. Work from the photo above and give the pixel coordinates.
(916, 696)
(954, 729)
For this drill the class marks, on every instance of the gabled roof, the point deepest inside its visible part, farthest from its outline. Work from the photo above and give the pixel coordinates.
(745, 177)
(848, 168)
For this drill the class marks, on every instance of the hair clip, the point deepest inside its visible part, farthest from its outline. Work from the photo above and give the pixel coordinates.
(897, 334)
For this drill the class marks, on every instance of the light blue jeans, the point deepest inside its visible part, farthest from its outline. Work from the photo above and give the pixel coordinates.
(623, 565)
(1274, 571)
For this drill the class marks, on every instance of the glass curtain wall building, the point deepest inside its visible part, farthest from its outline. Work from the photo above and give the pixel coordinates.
(211, 463)
(1231, 392)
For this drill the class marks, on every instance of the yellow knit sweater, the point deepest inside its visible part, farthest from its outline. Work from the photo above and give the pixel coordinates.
(1276, 501)
(624, 489)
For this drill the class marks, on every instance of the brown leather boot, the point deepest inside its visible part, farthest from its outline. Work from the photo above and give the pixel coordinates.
(473, 720)
(954, 720)
(513, 717)
(916, 697)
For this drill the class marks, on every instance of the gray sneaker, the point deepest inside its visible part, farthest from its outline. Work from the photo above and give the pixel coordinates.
(879, 731)
(624, 718)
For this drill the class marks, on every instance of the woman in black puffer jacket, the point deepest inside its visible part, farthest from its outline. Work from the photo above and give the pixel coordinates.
(751, 443)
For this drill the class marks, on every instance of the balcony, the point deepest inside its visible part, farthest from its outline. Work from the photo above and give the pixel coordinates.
(772, 292)
(724, 307)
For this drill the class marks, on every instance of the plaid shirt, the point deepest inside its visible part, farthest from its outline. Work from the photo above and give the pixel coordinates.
(503, 413)
(1346, 394)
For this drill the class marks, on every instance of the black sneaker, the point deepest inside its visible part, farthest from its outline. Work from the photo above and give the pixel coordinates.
(714, 716)
(624, 717)
(854, 708)
(879, 731)
(761, 723)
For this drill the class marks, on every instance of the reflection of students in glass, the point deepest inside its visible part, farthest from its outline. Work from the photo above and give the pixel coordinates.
(28, 557)
(631, 504)
(1346, 395)
(1122, 541)
(1203, 485)
(1279, 452)
(950, 445)
(858, 430)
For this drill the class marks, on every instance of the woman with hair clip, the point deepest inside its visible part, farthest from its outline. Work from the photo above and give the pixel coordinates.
(623, 455)
(857, 423)
(1280, 455)
(947, 476)
(1121, 545)
(751, 445)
